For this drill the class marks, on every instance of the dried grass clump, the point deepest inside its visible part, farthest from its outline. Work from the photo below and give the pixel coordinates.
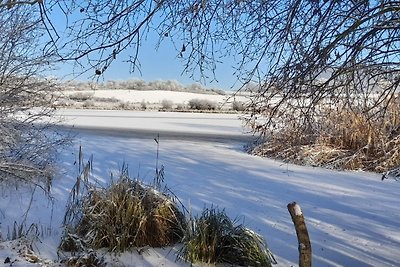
(358, 140)
(125, 215)
(341, 139)
(285, 143)
(214, 238)
(202, 104)
(90, 259)
(128, 214)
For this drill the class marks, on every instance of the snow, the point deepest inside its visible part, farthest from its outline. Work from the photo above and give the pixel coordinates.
(153, 96)
(297, 210)
(192, 123)
(352, 217)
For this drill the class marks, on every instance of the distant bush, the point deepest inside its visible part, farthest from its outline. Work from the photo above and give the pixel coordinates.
(166, 104)
(140, 85)
(217, 91)
(143, 105)
(238, 106)
(88, 103)
(106, 99)
(81, 96)
(202, 104)
(125, 106)
(62, 102)
(180, 106)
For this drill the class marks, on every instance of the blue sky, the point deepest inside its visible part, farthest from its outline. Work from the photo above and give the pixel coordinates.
(160, 64)
(157, 64)
(163, 64)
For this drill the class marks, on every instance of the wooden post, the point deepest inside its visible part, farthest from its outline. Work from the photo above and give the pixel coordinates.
(305, 254)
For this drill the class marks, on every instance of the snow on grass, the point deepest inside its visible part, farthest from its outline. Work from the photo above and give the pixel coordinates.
(352, 217)
(151, 96)
(151, 100)
(154, 96)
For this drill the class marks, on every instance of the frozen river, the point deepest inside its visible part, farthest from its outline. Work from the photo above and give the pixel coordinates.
(169, 125)
(353, 217)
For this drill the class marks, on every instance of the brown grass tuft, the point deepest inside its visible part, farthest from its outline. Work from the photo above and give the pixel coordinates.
(215, 238)
(341, 139)
(125, 215)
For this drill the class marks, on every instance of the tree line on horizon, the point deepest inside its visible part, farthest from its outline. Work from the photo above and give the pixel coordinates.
(141, 85)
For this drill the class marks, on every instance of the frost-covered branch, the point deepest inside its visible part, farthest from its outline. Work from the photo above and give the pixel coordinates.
(27, 147)
(12, 3)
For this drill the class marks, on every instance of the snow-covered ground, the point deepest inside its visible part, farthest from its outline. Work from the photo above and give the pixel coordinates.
(152, 99)
(153, 96)
(353, 217)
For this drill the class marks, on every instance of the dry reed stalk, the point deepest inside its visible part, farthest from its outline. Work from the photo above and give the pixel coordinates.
(340, 139)
(125, 215)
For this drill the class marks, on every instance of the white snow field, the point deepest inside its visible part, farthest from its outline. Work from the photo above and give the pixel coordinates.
(353, 218)
(153, 96)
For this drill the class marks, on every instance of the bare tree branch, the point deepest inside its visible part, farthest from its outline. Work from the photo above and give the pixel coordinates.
(27, 148)
(309, 59)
